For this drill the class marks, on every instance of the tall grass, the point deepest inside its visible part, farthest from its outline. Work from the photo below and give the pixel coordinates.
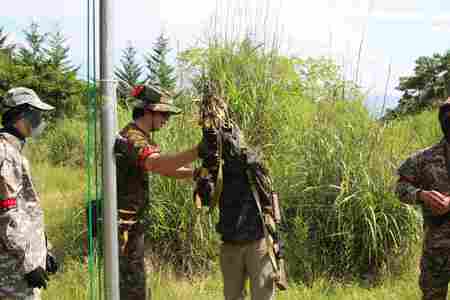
(166, 285)
(333, 165)
(343, 216)
(330, 162)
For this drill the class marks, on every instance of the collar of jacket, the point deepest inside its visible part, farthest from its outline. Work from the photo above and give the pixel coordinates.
(14, 137)
(133, 124)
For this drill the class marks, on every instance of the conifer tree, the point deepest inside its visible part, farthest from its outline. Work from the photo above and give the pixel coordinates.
(3, 38)
(33, 54)
(160, 72)
(129, 73)
(58, 52)
(6, 47)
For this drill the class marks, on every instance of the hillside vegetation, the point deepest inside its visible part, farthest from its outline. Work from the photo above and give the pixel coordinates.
(333, 166)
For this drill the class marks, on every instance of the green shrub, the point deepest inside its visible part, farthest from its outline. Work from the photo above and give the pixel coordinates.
(62, 143)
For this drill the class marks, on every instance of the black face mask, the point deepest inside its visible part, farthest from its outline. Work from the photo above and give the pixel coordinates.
(33, 117)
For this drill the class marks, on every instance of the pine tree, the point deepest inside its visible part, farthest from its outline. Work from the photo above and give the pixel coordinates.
(46, 69)
(160, 71)
(34, 53)
(427, 87)
(6, 48)
(129, 73)
(58, 53)
(3, 38)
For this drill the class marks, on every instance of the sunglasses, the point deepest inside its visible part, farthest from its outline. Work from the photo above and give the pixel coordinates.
(164, 114)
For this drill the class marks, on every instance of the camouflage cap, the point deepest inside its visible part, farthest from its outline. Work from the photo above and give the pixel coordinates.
(154, 98)
(20, 95)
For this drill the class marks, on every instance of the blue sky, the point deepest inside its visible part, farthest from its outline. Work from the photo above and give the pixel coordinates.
(395, 32)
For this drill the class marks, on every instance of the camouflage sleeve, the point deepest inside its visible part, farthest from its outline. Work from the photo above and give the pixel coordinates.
(408, 182)
(15, 225)
(9, 181)
(135, 148)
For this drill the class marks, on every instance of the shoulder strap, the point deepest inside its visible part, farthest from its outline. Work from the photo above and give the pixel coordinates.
(268, 238)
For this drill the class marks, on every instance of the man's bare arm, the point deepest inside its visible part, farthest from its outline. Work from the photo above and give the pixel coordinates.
(180, 173)
(171, 164)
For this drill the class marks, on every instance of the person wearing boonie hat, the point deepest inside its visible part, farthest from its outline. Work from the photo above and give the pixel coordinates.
(137, 155)
(24, 259)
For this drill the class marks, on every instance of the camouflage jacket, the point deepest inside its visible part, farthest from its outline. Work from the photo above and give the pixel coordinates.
(131, 148)
(427, 170)
(22, 239)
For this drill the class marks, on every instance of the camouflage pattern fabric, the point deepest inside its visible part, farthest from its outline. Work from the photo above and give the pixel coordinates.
(427, 170)
(154, 98)
(20, 95)
(131, 264)
(22, 239)
(435, 272)
(132, 147)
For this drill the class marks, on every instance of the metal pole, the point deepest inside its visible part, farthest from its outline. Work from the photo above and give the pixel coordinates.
(109, 128)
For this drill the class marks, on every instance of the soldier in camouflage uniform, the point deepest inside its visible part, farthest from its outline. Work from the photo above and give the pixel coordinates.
(23, 248)
(425, 180)
(137, 155)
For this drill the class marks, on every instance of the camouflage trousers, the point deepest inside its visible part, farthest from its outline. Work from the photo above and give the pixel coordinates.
(435, 273)
(242, 261)
(14, 286)
(131, 264)
(36, 295)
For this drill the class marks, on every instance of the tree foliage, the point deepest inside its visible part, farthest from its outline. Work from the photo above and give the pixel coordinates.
(129, 73)
(160, 72)
(5, 45)
(43, 65)
(427, 87)
(58, 52)
(33, 52)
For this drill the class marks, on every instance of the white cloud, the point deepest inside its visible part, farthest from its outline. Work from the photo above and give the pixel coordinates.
(441, 22)
(58, 9)
(398, 16)
(393, 6)
(177, 12)
(395, 10)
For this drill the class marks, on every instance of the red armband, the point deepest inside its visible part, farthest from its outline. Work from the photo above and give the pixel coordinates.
(146, 152)
(8, 203)
(409, 179)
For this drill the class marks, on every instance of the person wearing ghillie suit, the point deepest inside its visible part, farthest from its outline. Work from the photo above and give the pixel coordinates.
(137, 155)
(234, 179)
(424, 179)
(24, 259)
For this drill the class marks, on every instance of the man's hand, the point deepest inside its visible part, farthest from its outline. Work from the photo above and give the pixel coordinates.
(437, 202)
(37, 278)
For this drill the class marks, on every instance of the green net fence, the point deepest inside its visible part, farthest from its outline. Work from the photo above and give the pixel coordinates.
(93, 162)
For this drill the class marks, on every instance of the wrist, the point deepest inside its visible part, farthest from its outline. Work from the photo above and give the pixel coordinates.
(419, 195)
(195, 152)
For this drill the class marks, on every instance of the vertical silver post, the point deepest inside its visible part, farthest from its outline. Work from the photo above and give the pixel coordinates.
(109, 128)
